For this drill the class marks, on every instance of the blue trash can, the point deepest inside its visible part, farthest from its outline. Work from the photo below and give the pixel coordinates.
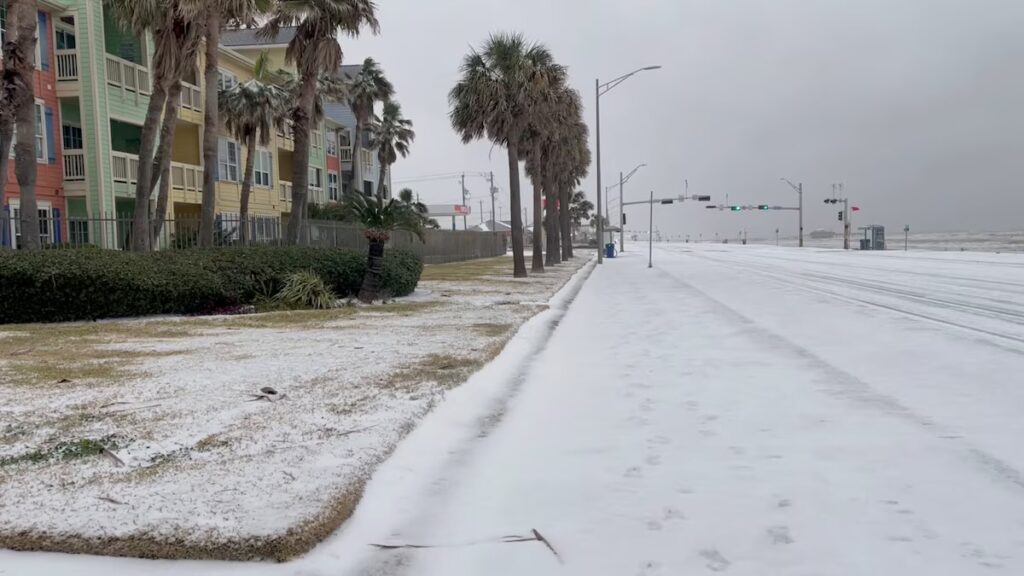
(609, 250)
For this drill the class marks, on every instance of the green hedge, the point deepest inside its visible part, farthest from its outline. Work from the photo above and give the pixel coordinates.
(57, 285)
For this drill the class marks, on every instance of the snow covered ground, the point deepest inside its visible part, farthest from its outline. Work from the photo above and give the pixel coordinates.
(199, 465)
(736, 409)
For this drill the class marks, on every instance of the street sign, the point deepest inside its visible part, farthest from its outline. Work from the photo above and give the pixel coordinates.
(448, 210)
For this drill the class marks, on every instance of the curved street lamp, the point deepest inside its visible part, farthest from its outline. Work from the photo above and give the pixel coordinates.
(600, 90)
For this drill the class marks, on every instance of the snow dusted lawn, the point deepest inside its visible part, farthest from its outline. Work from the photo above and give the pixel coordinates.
(147, 437)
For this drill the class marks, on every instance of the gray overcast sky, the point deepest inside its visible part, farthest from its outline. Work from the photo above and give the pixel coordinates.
(916, 105)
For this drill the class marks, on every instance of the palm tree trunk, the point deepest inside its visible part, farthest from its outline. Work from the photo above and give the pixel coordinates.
(147, 147)
(357, 153)
(23, 13)
(211, 126)
(564, 222)
(162, 163)
(6, 139)
(374, 277)
(380, 181)
(538, 216)
(554, 251)
(302, 118)
(250, 167)
(516, 206)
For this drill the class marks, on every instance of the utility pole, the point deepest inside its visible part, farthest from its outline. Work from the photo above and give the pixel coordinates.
(482, 213)
(494, 192)
(906, 237)
(464, 226)
(800, 192)
(597, 113)
(776, 236)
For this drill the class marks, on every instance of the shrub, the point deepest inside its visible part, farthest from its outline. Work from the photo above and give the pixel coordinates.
(402, 270)
(306, 290)
(64, 285)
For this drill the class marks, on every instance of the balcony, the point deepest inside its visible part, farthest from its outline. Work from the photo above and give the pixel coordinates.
(74, 165)
(285, 189)
(125, 167)
(127, 75)
(187, 177)
(191, 97)
(67, 65)
(345, 154)
(366, 157)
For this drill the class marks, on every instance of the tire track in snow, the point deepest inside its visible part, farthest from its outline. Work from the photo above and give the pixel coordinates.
(782, 279)
(848, 386)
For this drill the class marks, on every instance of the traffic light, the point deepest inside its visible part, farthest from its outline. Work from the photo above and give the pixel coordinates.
(623, 218)
(703, 198)
(669, 201)
(712, 207)
(735, 208)
(840, 215)
(763, 207)
(831, 201)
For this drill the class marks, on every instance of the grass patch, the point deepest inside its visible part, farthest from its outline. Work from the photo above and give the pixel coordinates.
(64, 451)
(492, 330)
(468, 270)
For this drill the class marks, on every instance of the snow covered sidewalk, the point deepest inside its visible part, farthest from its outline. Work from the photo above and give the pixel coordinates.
(671, 428)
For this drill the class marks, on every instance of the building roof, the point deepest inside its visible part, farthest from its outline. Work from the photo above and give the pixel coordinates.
(248, 37)
(500, 225)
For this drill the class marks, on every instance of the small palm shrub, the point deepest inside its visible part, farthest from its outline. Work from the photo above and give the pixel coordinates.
(306, 290)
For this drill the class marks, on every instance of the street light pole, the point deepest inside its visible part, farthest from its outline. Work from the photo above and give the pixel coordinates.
(800, 192)
(622, 238)
(599, 90)
(650, 235)
(600, 227)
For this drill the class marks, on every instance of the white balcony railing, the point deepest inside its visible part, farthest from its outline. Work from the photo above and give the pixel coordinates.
(317, 196)
(128, 75)
(125, 167)
(187, 177)
(345, 154)
(191, 97)
(286, 190)
(366, 156)
(67, 64)
(74, 165)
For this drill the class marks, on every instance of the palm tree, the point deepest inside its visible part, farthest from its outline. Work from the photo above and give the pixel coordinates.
(579, 210)
(314, 49)
(369, 86)
(391, 135)
(495, 98)
(405, 196)
(579, 158)
(171, 22)
(252, 112)
(19, 104)
(380, 218)
(217, 14)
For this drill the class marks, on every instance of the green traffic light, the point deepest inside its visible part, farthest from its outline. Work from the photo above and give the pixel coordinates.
(763, 207)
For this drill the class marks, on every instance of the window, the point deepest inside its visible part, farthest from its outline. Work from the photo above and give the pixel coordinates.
(65, 39)
(345, 139)
(226, 80)
(332, 143)
(45, 224)
(367, 188)
(40, 133)
(315, 178)
(332, 186)
(317, 138)
(261, 172)
(227, 160)
(72, 136)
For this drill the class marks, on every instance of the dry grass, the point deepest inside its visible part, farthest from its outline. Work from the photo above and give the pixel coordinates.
(468, 270)
(34, 355)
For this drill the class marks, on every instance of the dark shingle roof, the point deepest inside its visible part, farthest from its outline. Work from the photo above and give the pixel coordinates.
(248, 37)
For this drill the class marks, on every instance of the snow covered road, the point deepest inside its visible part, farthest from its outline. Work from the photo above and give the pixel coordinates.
(752, 410)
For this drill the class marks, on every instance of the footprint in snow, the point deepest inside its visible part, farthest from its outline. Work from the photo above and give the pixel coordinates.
(716, 562)
(779, 535)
